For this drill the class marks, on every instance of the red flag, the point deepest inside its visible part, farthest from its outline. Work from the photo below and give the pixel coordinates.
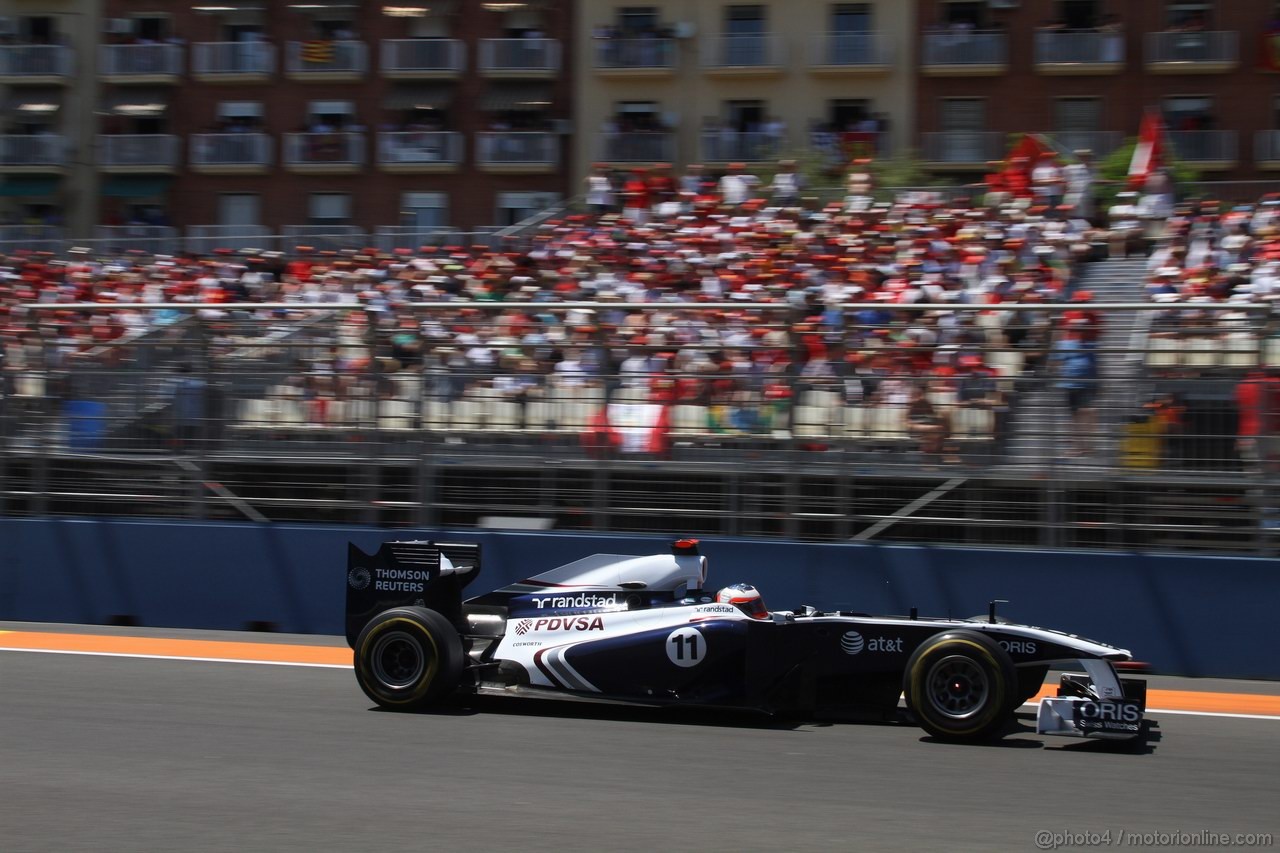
(1269, 52)
(1148, 154)
(1020, 161)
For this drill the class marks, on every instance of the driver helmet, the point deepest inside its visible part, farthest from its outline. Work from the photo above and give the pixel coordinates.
(746, 598)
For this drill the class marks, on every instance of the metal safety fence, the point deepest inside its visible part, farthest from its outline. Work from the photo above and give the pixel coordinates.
(1120, 426)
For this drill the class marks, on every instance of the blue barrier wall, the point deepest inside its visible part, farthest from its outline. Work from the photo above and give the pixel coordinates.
(1205, 616)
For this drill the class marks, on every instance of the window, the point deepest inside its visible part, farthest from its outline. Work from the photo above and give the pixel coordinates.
(239, 209)
(38, 29)
(969, 14)
(1077, 115)
(516, 207)
(1079, 14)
(151, 28)
(744, 116)
(963, 114)
(637, 19)
(1188, 112)
(1188, 14)
(848, 114)
(426, 211)
(328, 116)
(329, 208)
(744, 20)
(851, 18)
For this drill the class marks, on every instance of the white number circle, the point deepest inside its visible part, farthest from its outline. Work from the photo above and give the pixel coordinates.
(686, 647)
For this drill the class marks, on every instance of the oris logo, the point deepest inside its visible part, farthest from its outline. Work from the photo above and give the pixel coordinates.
(523, 626)
(1018, 647)
(1117, 712)
(852, 642)
(359, 578)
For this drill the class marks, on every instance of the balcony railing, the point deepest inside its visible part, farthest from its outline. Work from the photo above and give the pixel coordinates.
(151, 239)
(33, 151)
(419, 148)
(517, 56)
(303, 58)
(47, 238)
(1184, 51)
(140, 60)
(1086, 50)
(231, 150)
(1100, 142)
(233, 58)
(961, 51)
(138, 151)
(720, 146)
(205, 239)
(850, 51)
(324, 149)
(1266, 146)
(401, 57)
(742, 51)
(1201, 147)
(637, 54)
(323, 237)
(517, 149)
(962, 147)
(639, 147)
(36, 60)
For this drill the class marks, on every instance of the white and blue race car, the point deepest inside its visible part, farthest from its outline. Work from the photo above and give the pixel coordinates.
(645, 630)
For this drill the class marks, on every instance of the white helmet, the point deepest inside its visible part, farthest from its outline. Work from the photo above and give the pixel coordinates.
(746, 598)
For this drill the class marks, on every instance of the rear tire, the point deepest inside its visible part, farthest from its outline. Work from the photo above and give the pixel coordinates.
(960, 686)
(408, 658)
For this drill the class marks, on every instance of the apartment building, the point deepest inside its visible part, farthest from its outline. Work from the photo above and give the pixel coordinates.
(1084, 71)
(693, 81)
(253, 117)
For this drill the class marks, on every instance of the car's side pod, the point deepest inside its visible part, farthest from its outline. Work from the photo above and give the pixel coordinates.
(416, 573)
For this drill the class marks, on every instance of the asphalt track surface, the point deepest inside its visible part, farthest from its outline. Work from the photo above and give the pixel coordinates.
(117, 753)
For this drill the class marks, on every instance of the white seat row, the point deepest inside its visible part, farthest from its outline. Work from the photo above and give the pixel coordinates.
(1236, 349)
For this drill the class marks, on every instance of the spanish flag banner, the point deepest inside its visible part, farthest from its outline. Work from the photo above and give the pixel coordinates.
(318, 52)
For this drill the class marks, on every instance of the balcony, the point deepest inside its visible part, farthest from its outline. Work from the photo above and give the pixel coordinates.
(1206, 150)
(850, 53)
(324, 153)
(230, 153)
(639, 147)
(1071, 53)
(149, 239)
(961, 150)
(33, 154)
(326, 61)
(419, 151)
(332, 237)
(635, 57)
(140, 63)
(964, 54)
(233, 61)
(518, 151)
(137, 153)
(207, 239)
(1100, 142)
(1192, 52)
(45, 64)
(1266, 149)
(724, 146)
(519, 58)
(743, 55)
(40, 238)
(423, 59)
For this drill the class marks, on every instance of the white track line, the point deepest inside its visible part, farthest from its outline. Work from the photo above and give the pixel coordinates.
(178, 657)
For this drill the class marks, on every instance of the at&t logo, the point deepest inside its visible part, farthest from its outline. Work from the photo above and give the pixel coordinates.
(852, 642)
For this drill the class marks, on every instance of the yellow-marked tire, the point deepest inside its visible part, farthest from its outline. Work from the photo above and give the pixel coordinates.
(960, 686)
(408, 658)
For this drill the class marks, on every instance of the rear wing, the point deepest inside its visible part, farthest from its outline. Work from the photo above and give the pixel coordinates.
(425, 574)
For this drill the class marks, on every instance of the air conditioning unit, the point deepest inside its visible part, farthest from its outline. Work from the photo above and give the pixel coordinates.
(119, 26)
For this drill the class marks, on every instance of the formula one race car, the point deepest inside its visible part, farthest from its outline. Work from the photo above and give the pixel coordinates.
(642, 630)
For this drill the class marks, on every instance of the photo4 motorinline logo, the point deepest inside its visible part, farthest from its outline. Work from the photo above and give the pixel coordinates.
(1049, 840)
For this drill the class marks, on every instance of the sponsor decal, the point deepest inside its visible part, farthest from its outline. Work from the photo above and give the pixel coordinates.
(716, 608)
(563, 623)
(359, 577)
(585, 599)
(1018, 647)
(1118, 715)
(524, 643)
(400, 580)
(854, 643)
(523, 626)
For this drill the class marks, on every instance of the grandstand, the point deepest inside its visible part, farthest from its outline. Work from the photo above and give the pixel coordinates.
(890, 374)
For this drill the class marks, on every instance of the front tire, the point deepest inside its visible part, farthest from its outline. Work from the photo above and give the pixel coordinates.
(408, 658)
(960, 686)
